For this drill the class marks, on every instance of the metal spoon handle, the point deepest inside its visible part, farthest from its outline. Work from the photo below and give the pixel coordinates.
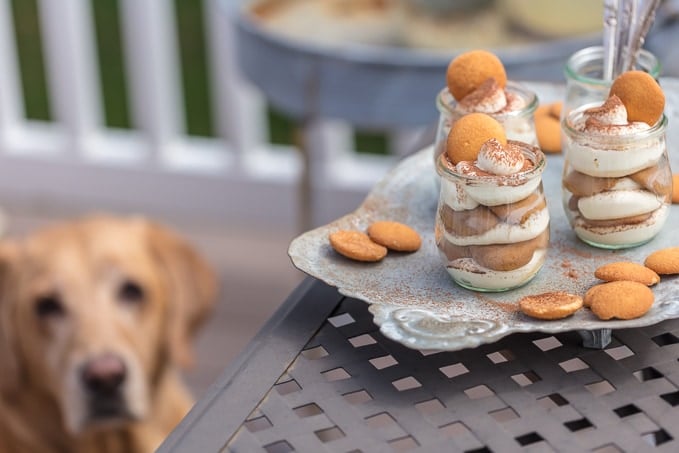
(646, 18)
(610, 37)
(626, 24)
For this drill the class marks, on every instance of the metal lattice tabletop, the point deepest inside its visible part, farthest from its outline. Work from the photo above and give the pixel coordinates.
(348, 388)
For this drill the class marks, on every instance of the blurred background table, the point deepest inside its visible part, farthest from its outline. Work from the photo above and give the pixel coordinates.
(380, 64)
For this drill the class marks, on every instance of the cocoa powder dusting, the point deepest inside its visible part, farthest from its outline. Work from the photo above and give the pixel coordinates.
(507, 307)
(569, 271)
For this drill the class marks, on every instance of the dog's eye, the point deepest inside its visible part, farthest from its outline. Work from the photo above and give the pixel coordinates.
(131, 291)
(49, 306)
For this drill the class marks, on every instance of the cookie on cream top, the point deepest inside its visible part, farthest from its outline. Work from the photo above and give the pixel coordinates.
(469, 70)
(469, 133)
(642, 96)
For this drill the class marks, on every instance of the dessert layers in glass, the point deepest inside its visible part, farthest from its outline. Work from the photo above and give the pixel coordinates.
(617, 181)
(492, 230)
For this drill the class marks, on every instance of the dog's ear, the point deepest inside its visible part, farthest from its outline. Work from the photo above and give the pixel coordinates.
(9, 364)
(192, 289)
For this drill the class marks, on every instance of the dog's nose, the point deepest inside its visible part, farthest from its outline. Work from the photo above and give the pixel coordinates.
(104, 374)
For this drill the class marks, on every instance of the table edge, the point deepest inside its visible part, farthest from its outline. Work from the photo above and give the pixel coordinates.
(218, 415)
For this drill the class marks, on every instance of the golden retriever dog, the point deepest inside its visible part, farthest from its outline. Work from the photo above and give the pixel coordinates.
(96, 318)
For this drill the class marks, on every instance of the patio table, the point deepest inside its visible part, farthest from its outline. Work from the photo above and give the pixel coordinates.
(321, 377)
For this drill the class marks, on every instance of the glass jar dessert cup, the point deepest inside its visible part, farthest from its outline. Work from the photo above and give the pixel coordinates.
(584, 76)
(519, 124)
(492, 231)
(616, 189)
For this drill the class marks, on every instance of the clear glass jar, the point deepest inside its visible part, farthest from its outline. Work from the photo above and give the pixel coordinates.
(492, 231)
(584, 76)
(519, 124)
(616, 189)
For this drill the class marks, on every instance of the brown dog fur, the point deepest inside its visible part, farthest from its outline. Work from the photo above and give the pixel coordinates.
(127, 287)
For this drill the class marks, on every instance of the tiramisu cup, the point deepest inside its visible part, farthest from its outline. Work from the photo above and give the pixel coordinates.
(617, 181)
(476, 82)
(492, 223)
(512, 106)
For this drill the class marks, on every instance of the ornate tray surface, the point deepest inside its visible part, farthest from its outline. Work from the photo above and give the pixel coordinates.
(415, 302)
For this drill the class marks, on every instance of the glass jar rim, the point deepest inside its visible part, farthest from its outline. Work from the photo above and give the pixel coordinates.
(532, 152)
(446, 106)
(596, 53)
(567, 125)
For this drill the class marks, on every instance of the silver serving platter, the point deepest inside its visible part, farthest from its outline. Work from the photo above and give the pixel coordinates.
(415, 302)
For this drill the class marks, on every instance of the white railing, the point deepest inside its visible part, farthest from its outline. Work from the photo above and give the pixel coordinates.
(156, 168)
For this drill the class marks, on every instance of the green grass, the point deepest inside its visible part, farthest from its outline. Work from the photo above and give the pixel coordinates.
(371, 142)
(31, 62)
(111, 63)
(196, 94)
(193, 61)
(280, 128)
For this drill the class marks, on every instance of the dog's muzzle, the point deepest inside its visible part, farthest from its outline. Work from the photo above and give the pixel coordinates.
(103, 378)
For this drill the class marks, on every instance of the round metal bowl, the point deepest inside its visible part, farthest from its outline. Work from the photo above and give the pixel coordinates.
(371, 86)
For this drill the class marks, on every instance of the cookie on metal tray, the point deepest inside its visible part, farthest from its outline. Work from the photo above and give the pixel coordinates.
(619, 300)
(395, 236)
(356, 246)
(550, 305)
(664, 261)
(626, 270)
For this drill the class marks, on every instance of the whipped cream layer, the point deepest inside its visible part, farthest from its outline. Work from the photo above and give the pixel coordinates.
(470, 274)
(500, 160)
(603, 142)
(603, 163)
(461, 196)
(453, 194)
(624, 234)
(611, 112)
(626, 184)
(499, 176)
(617, 204)
(505, 233)
(489, 97)
(489, 195)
